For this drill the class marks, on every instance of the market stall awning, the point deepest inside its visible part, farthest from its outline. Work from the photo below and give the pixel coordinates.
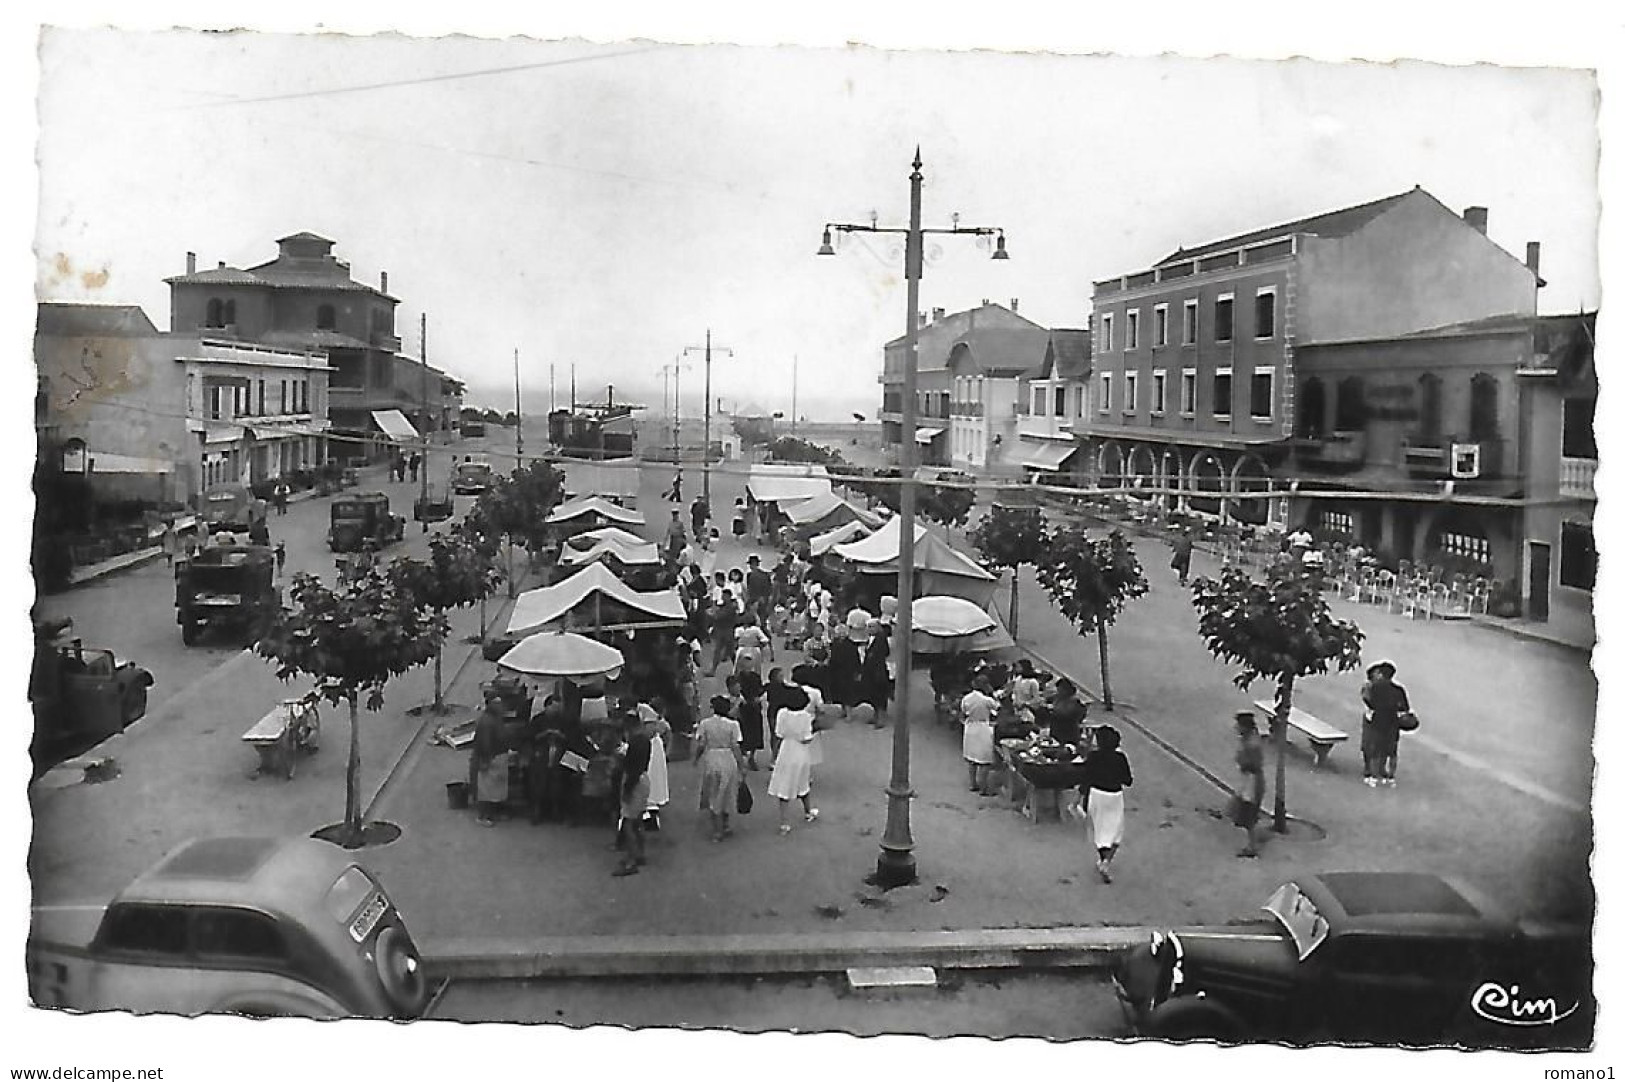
(954, 625)
(535, 609)
(617, 477)
(926, 435)
(103, 462)
(941, 569)
(613, 534)
(778, 482)
(393, 423)
(643, 554)
(1046, 455)
(826, 505)
(594, 505)
(839, 535)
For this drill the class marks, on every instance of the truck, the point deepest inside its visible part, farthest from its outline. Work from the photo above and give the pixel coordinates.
(244, 925)
(227, 587)
(81, 695)
(355, 520)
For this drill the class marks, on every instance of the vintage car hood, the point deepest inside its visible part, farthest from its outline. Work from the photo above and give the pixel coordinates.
(1259, 949)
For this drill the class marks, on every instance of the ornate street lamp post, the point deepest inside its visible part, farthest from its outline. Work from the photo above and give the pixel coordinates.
(896, 864)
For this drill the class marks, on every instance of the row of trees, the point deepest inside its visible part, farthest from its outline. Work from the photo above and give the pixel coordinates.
(1278, 626)
(351, 638)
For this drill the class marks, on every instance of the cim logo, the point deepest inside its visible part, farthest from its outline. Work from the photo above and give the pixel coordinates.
(1508, 1006)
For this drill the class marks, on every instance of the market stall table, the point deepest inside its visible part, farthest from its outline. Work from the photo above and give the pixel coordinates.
(1034, 780)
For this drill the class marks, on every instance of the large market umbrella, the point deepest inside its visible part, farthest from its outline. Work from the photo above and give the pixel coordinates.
(563, 653)
(953, 625)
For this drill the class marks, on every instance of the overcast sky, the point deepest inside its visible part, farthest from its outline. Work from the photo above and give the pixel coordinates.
(603, 205)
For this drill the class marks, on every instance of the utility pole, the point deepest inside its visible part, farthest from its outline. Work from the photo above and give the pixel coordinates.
(896, 865)
(705, 453)
(518, 416)
(423, 419)
(552, 404)
(795, 382)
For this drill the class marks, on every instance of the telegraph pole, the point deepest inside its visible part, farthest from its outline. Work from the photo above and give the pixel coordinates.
(423, 395)
(705, 453)
(795, 383)
(518, 416)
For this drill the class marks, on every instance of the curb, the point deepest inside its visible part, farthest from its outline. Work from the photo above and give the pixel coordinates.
(1531, 636)
(731, 955)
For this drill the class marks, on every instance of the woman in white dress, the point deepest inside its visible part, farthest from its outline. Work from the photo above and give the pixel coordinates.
(792, 769)
(658, 730)
(722, 765)
(977, 708)
(1106, 775)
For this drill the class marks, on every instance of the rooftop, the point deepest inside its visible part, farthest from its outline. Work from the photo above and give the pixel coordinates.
(1333, 223)
(71, 320)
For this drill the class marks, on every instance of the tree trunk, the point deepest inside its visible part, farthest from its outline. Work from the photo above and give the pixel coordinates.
(482, 617)
(1015, 601)
(352, 779)
(1105, 667)
(439, 696)
(511, 584)
(1283, 711)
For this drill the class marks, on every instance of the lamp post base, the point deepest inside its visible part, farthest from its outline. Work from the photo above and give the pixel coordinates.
(895, 868)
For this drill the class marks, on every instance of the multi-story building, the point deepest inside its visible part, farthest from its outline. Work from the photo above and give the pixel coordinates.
(1057, 398)
(1194, 387)
(140, 414)
(970, 385)
(305, 299)
(1479, 435)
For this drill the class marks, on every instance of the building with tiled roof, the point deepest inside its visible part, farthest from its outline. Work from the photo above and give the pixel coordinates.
(307, 299)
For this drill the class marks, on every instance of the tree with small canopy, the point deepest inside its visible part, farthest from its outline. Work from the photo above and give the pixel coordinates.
(517, 506)
(1279, 627)
(352, 641)
(456, 574)
(1007, 537)
(471, 530)
(949, 505)
(1090, 581)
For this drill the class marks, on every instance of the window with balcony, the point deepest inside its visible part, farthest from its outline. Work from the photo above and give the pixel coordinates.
(1221, 394)
(230, 313)
(1484, 408)
(1131, 392)
(1429, 411)
(1060, 401)
(1261, 394)
(282, 392)
(1187, 392)
(1579, 435)
(214, 313)
(1312, 409)
(1106, 342)
(1351, 410)
(1264, 313)
(1159, 325)
(325, 320)
(1133, 330)
(1190, 322)
(1224, 318)
(1105, 392)
(1038, 401)
(1159, 392)
(261, 412)
(1577, 556)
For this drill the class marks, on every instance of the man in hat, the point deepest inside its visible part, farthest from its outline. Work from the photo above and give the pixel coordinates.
(1385, 701)
(1249, 798)
(758, 590)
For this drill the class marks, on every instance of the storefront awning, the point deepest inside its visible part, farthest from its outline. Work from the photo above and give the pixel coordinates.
(1045, 456)
(926, 435)
(102, 462)
(393, 423)
(223, 434)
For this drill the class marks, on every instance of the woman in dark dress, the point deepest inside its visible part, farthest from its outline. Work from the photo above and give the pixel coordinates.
(845, 663)
(750, 716)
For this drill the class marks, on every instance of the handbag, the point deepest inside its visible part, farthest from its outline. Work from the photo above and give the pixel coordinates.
(1241, 811)
(1409, 722)
(744, 801)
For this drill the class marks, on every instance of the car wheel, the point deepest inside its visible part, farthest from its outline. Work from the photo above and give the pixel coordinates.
(135, 704)
(1192, 1019)
(189, 633)
(400, 971)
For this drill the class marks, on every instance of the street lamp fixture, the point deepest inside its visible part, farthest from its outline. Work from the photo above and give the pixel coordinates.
(896, 865)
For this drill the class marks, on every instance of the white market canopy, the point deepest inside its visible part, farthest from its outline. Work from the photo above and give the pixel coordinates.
(827, 505)
(642, 553)
(616, 477)
(613, 534)
(840, 534)
(393, 423)
(594, 505)
(563, 653)
(926, 435)
(778, 482)
(535, 610)
(939, 569)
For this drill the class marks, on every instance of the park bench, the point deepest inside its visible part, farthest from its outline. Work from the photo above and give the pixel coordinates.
(280, 736)
(1321, 736)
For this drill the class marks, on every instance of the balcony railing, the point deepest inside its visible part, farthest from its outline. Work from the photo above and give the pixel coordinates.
(391, 342)
(1336, 450)
(1439, 462)
(1577, 477)
(965, 409)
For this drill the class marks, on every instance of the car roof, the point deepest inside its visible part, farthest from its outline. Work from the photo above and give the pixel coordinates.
(1403, 903)
(268, 873)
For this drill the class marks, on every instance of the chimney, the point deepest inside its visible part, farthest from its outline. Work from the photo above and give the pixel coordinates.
(919, 319)
(938, 313)
(221, 265)
(1478, 218)
(383, 281)
(1015, 304)
(191, 262)
(1531, 257)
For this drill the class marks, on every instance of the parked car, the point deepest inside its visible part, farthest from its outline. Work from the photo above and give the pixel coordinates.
(1384, 957)
(258, 926)
(363, 517)
(472, 476)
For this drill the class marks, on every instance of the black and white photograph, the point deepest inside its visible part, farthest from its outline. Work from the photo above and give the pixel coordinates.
(544, 535)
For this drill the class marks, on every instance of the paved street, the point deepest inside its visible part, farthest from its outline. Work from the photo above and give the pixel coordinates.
(982, 864)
